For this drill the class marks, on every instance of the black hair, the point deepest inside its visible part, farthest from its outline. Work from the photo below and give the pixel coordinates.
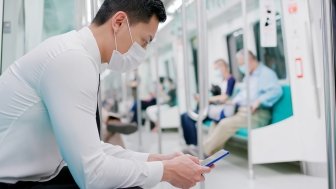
(136, 10)
(161, 80)
(170, 80)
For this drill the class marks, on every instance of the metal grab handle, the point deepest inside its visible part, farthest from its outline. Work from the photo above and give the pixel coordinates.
(202, 73)
(94, 8)
(247, 85)
(329, 88)
(158, 105)
(139, 108)
(190, 112)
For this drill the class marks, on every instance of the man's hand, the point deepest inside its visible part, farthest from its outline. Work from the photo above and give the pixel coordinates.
(184, 171)
(255, 106)
(161, 157)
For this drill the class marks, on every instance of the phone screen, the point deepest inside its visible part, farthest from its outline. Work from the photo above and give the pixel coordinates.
(214, 158)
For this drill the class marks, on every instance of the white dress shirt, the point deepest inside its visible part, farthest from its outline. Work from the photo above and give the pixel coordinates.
(48, 101)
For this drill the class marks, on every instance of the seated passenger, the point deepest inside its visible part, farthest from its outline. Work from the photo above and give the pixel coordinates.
(113, 125)
(217, 102)
(167, 101)
(150, 100)
(265, 91)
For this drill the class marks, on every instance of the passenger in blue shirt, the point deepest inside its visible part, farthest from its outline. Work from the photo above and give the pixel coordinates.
(221, 93)
(265, 91)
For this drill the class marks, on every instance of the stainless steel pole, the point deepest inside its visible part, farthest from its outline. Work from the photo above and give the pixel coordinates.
(1, 34)
(94, 8)
(329, 87)
(203, 69)
(203, 74)
(247, 77)
(139, 112)
(158, 113)
(190, 112)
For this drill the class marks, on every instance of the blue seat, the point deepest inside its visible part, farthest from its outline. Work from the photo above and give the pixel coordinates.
(281, 110)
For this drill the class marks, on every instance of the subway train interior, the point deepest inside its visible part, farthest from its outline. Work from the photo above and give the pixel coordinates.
(288, 141)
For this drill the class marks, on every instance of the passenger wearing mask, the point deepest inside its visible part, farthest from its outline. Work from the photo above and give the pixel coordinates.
(217, 108)
(148, 100)
(264, 90)
(49, 101)
(168, 102)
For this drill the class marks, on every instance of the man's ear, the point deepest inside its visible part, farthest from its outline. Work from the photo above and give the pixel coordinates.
(117, 20)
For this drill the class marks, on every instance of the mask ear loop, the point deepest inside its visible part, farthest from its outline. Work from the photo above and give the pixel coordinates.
(129, 29)
(115, 40)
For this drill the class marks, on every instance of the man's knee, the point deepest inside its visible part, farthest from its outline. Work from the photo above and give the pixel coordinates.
(231, 123)
(184, 119)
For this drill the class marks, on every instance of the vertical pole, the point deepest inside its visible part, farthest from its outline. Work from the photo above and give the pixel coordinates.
(247, 77)
(329, 87)
(202, 74)
(158, 113)
(94, 8)
(190, 112)
(1, 33)
(139, 112)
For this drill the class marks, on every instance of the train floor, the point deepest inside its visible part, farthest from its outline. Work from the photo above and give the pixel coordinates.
(232, 171)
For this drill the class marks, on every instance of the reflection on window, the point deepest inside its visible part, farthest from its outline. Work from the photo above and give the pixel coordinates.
(274, 57)
(235, 42)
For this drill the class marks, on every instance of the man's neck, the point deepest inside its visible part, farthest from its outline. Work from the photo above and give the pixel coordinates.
(100, 36)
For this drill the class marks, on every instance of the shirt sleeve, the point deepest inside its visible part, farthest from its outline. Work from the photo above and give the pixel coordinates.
(69, 91)
(120, 152)
(238, 98)
(270, 90)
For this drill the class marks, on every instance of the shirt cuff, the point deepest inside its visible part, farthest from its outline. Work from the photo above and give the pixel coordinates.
(140, 156)
(155, 173)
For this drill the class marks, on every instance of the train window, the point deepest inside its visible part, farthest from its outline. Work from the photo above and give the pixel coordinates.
(194, 50)
(274, 57)
(59, 17)
(27, 24)
(235, 42)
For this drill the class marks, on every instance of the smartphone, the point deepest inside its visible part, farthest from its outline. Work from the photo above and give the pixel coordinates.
(214, 158)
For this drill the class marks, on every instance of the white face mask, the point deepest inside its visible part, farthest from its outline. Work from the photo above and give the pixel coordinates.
(242, 69)
(218, 74)
(128, 61)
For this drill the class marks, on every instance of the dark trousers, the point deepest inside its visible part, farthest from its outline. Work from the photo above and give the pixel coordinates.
(144, 106)
(189, 129)
(63, 180)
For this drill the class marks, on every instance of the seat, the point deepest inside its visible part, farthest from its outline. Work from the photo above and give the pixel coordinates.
(281, 110)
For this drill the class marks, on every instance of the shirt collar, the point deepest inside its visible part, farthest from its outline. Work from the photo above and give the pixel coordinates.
(257, 71)
(90, 44)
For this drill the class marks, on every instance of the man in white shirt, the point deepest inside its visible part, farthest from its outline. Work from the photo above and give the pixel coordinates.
(49, 101)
